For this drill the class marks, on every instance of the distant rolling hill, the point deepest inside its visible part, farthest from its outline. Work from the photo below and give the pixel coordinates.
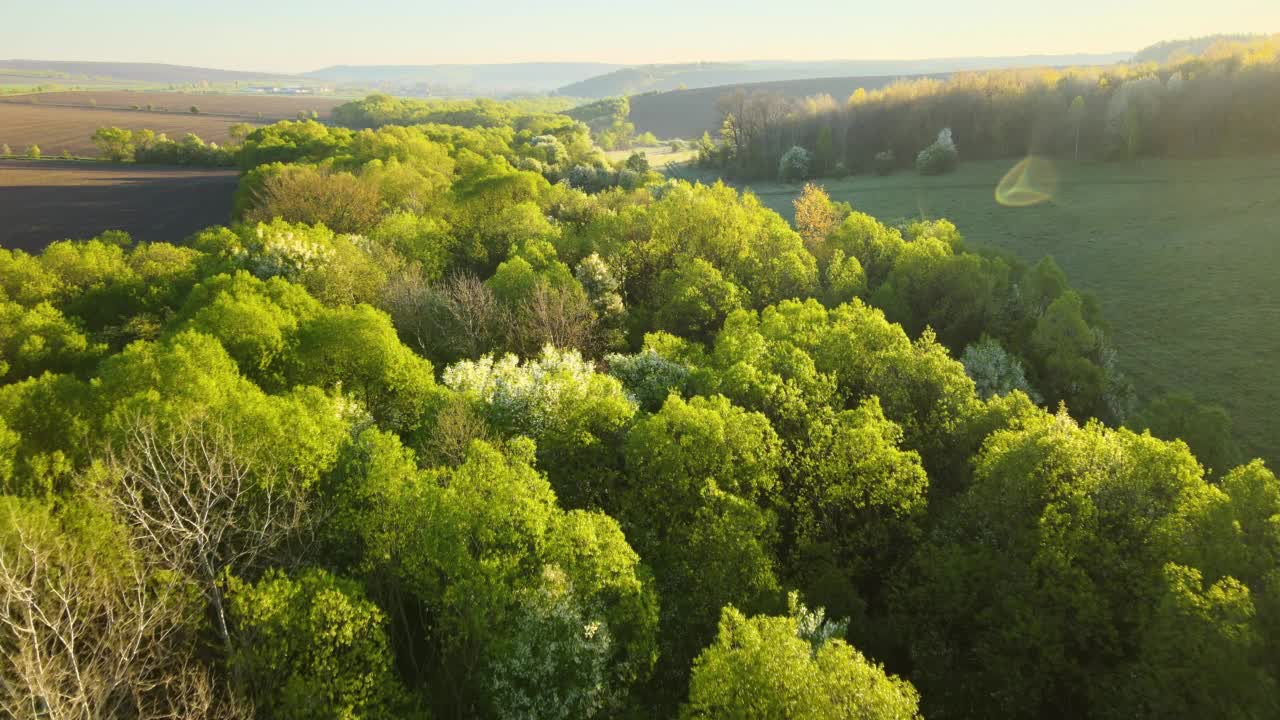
(154, 73)
(648, 78)
(492, 79)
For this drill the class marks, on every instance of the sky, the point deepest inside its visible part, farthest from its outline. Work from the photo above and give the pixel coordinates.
(299, 35)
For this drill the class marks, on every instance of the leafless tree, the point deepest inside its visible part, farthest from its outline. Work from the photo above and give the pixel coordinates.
(84, 639)
(562, 318)
(456, 318)
(195, 501)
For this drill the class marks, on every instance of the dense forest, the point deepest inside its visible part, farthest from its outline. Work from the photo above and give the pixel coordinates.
(1220, 100)
(455, 419)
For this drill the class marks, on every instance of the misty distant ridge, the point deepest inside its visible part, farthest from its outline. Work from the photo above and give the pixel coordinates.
(160, 73)
(659, 78)
(574, 79)
(530, 77)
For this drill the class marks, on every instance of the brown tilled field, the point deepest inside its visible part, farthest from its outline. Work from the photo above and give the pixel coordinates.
(243, 107)
(49, 200)
(56, 129)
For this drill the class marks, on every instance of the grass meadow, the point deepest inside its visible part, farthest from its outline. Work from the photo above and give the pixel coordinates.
(1184, 254)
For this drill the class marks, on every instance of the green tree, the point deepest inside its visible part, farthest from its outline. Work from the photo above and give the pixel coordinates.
(114, 143)
(1205, 428)
(312, 646)
(1053, 579)
(761, 667)
(1077, 114)
(859, 509)
(704, 474)
(823, 152)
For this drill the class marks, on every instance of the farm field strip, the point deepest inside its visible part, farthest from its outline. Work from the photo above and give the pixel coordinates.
(56, 129)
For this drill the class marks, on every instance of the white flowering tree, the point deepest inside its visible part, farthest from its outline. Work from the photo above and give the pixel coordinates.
(994, 370)
(575, 415)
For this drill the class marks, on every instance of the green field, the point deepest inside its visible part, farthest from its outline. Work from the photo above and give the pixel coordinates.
(659, 156)
(1184, 254)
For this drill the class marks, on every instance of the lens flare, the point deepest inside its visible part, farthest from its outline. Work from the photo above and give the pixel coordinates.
(1032, 181)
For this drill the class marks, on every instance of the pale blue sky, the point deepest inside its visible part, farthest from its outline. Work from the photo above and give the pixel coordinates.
(297, 35)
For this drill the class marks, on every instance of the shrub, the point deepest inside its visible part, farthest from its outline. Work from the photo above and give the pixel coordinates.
(637, 163)
(6, 151)
(33, 152)
(885, 162)
(939, 158)
(195, 110)
(794, 165)
(839, 170)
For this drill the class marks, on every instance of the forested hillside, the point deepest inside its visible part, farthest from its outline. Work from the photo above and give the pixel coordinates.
(1221, 101)
(454, 419)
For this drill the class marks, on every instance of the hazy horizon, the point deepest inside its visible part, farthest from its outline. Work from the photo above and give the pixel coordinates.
(292, 37)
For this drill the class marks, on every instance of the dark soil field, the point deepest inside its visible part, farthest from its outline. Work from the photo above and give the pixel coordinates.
(56, 129)
(49, 200)
(242, 107)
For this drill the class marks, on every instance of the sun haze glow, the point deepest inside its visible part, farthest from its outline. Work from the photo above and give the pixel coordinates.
(1032, 181)
(295, 36)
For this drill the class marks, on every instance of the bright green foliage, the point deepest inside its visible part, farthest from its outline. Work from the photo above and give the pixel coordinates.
(1064, 347)
(859, 506)
(761, 667)
(422, 239)
(356, 350)
(471, 544)
(312, 646)
(753, 248)
(872, 243)
(1050, 574)
(25, 280)
(844, 278)
(955, 294)
(694, 299)
(8, 454)
(291, 142)
(531, 265)
(53, 419)
(703, 474)
(255, 321)
(245, 408)
(41, 339)
(189, 379)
